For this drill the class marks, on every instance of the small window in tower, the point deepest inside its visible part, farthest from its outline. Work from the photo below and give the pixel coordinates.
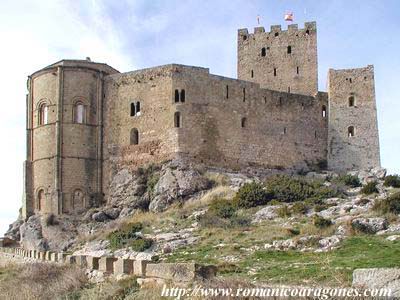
(138, 108)
(265, 100)
(252, 74)
(350, 80)
(307, 32)
(276, 33)
(79, 113)
(323, 111)
(289, 49)
(176, 96)
(280, 101)
(177, 119)
(244, 94)
(274, 71)
(351, 101)
(350, 131)
(244, 120)
(183, 97)
(134, 136)
(244, 37)
(40, 200)
(43, 114)
(133, 109)
(263, 52)
(284, 130)
(227, 92)
(297, 70)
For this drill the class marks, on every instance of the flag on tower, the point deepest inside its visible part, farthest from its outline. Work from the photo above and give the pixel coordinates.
(289, 16)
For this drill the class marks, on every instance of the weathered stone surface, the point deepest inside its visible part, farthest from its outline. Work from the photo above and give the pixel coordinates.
(378, 278)
(31, 234)
(123, 266)
(100, 217)
(139, 267)
(266, 213)
(93, 262)
(112, 213)
(106, 264)
(369, 225)
(179, 272)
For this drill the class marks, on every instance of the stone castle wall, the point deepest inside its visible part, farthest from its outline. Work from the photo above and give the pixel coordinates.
(361, 150)
(281, 60)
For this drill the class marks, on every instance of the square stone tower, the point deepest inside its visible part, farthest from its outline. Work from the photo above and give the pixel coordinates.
(281, 60)
(353, 140)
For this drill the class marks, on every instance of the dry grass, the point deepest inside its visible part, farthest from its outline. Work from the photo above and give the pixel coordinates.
(217, 192)
(40, 281)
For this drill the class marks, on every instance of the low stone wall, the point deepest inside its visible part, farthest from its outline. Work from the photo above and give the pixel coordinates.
(143, 269)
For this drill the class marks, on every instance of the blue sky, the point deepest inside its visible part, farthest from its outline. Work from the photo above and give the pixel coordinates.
(136, 34)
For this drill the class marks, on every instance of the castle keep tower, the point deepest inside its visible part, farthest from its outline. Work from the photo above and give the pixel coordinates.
(281, 60)
(64, 137)
(353, 141)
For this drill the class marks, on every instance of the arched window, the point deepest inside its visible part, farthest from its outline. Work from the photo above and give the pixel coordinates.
(263, 52)
(40, 200)
(133, 109)
(244, 121)
(79, 113)
(138, 108)
(352, 101)
(289, 49)
(350, 131)
(183, 96)
(323, 111)
(43, 114)
(176, 96)
(177, 119)
(134, 138)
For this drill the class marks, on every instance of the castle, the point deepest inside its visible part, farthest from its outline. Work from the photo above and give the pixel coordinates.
(86, 120)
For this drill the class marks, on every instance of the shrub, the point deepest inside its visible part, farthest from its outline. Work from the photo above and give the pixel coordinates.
(349, 180)
(390, 204)
(284, 211)
(299, 208)
(292, 231)
(321, 222)
(222, 208)
(287, 189)
(240, 221)
(370, 188)
(251, 195)
(127, 236)
(392, 180)
(209, 220)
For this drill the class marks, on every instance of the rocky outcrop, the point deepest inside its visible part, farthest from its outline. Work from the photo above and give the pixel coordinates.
(388, 278)
(32, 236)
(369, 225)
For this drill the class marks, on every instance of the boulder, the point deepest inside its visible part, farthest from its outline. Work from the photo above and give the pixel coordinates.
(32, 235)
(386, 278)
(369, 225)
(100, 217)
(176, 184)
(379, 173)
(330, 242)
(266, 213)
(112, 213)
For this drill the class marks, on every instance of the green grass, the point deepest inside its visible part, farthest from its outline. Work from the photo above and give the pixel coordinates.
(294, 267)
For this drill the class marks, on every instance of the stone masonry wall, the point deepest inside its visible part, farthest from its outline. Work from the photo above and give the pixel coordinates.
(281, 130)
(281, 60)
(360, 151)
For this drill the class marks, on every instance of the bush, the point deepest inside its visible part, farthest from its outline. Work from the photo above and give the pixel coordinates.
(222, 208)
(321, 222)
(299, 208)
(127, 236)
(370, 188)
(240, 221)
(283, 211)
(389, 205)
(209, 220)
(349, 180)
(251, 195)
(392, 180)
(287, 189)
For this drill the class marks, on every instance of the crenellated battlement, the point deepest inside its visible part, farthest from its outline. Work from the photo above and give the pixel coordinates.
(311, 27)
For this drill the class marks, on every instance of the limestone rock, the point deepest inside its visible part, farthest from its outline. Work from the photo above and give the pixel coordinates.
(112, 213)
(369, 225)
(100, 217)
(31, 234)
(266, 213)
(388, 278)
